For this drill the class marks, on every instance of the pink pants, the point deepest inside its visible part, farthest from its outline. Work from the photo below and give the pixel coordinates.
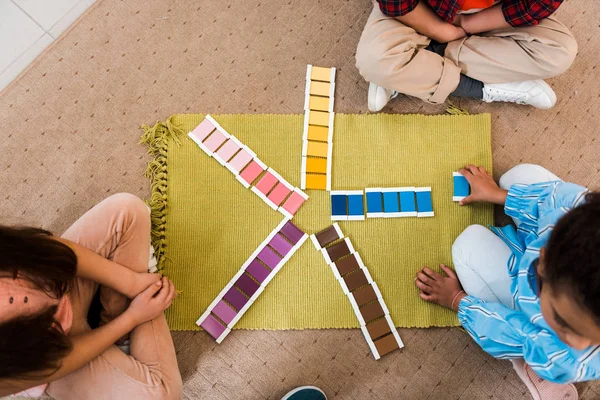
(119, 229)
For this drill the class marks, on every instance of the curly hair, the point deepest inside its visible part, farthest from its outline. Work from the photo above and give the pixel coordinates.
(573, 254)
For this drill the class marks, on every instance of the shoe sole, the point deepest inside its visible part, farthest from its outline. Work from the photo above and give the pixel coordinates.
(372, 98)
(548, 90)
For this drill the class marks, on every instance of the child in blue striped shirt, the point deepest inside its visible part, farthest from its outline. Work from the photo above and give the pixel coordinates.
(531, 293)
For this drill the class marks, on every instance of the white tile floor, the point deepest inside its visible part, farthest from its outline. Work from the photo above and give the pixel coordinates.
(27, 27)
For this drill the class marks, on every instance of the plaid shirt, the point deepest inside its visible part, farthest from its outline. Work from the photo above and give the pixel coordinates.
(516, 12)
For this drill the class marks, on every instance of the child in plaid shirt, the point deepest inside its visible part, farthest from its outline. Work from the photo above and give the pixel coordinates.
(492, 50)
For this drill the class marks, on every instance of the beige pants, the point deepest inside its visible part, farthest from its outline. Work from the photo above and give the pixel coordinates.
(118, 228)
(393, 55)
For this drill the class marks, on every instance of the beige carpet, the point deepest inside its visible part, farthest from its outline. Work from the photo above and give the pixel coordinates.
(70, 133)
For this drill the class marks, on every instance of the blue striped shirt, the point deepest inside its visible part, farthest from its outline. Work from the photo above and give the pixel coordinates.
(522, 332)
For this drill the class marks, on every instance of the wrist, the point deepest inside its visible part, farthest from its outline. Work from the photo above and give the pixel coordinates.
(500, 197)
(457, 299)
(465, 22)
(130, 284)
(129, 319)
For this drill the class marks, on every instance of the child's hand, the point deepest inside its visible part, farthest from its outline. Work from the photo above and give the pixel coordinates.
(483, 187)
(140, 282)
(152, 302)
(443, 290)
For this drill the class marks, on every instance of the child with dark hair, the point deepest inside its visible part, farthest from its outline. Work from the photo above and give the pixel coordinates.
(47, 285)
(529, 294)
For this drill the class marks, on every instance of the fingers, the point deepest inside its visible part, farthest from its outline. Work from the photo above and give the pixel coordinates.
(422, 286)
(424, 279)
(473, 169)
(431, 273)
(466, 173)
(467, 200)
(152, 289)
(449, 271)
(426, 296)
(167, 294)
(172, 293)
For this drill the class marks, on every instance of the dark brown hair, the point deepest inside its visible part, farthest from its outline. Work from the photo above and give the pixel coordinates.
(573, 255)
(33, 345)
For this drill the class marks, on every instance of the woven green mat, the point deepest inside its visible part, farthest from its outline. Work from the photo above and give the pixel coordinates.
(206, 224)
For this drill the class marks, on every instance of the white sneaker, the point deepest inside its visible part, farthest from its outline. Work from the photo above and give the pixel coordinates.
(379, 97)
(534, 93)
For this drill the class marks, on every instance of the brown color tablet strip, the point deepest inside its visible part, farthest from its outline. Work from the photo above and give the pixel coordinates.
(386, 344)
(356, 280)
(378, 328)
(347, 264)
(364, 295)
(338, 251)
(372, 311)
(327, 236)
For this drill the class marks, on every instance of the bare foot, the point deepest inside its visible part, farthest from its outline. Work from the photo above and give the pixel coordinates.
(440, 289)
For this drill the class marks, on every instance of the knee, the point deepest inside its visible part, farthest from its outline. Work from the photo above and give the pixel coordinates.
(130, 204)
(129, 211)
(510, 177)
(526, 174)
(377, 60)
(464, 243)
(567, 52)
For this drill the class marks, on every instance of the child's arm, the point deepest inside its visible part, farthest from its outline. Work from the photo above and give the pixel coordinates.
(93, 266)
(89, 345)
(506, 333)
(532, 203)
(484, 21)
(428, 23)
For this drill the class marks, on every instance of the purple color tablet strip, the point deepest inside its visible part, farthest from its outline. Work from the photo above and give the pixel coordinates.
(280, 245)
(213, 326)
(246, 285)
(223, 311)
(258, 271)
(269, 257)
(292, 232)
(235, 298)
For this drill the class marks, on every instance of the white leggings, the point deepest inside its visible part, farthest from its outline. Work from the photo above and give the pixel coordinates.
(480, 257)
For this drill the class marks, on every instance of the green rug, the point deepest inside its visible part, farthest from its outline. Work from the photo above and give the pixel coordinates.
(205, 223)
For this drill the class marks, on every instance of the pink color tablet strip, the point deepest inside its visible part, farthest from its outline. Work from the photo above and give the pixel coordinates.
(214, 141)
(293, 203)
(228, 150)
(266, 183)
(203, 130)
(251, 172)
(240, 160)
(279, 193)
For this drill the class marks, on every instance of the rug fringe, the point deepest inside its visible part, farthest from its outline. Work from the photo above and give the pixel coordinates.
(454, 110)
(156, 138)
